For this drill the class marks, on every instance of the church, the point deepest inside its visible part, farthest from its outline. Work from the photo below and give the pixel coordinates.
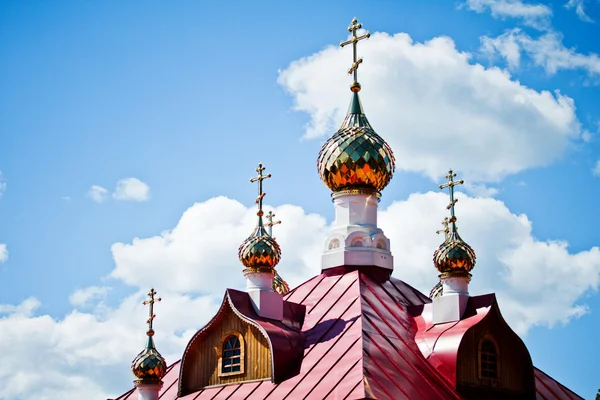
(354, 331)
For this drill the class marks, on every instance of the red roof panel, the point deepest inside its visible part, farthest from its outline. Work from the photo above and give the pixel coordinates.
(359, 331)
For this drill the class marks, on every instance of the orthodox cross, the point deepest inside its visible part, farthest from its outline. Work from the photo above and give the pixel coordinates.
(446, 230)
(354, 41)
(450, 185)
(151, 314)
(261, 194)
(270, 224)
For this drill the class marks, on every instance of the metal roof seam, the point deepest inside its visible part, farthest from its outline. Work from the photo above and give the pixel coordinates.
(439, 336)
(399, 337)
(295, 290)
(393, 363)
(374, 378)
(314, 306)
(324, 354)
(343, 376)
(335, 302)
(353, 388)
(310, 292)
(324, 375)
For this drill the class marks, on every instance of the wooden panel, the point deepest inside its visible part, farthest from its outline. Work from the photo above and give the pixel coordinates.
(203, 368)
(515, 369)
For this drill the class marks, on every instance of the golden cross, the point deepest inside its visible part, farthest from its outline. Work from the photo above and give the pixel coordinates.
(151, 314)
(354, 41)
(450, 185)
(259, 179)
(270, 224)
(445, 230)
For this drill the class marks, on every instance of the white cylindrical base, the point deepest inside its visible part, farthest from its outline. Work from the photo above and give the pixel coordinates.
(259, 281)
(459, 285)
(148, 391)
(355, 209)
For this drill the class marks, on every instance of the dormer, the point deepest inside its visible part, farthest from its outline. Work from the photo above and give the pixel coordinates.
(238, 345)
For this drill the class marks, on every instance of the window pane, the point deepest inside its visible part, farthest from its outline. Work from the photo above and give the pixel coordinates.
(236, 368)
(236, 352)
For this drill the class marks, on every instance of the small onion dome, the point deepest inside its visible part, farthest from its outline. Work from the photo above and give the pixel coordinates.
(454, 257)
(149, 366)
(279, 285)
(260, 252)
(437, 290)
(356, 157)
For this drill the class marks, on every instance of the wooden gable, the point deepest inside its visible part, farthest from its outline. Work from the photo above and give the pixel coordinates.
(203, 363)
(507, 374)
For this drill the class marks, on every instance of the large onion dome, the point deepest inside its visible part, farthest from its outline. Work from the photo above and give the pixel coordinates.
(356, 157)
(149, 366)
(454, 257)
(259, 252)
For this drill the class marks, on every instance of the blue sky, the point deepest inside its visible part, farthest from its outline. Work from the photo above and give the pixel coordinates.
(186, 98)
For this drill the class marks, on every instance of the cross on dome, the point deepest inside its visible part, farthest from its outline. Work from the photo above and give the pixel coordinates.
(450, 185)
(446, 230)
(355, 26)
(151, 315)
(270, 224)
(261, 194)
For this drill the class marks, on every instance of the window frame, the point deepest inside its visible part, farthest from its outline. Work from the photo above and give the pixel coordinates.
(492, 341)
(222, 343)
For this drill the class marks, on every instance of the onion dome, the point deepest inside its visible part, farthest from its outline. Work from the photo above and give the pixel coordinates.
(259, 252)
(437, 290)
(279, 285)
(356, 157)
(454, 257)
(149, 366)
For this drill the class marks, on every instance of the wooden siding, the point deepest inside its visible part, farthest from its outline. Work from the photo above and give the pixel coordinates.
(515, 369)
(203, 368)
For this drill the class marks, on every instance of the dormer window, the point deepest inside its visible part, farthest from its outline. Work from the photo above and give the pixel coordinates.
(488, 359)
(232, 354)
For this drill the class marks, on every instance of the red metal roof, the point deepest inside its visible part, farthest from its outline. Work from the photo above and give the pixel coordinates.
(359, 331)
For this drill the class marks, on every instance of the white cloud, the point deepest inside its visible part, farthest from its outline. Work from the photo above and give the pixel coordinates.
(3, 253)
(579, 7)
(596, 169)
(83, 297)
(537, 282)
(132, 189)
(546, 51)
(442, 104)
(535, 15)
(207, 237)
(97, 193)
(2, 184)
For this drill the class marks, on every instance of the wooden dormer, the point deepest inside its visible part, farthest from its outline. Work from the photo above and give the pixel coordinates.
(238, 346)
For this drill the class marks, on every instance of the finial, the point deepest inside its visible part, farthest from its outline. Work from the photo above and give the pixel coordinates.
(261, 194)
(355, 26)
(446, 230)
(151, 302)
(450, 185)
(270, 224)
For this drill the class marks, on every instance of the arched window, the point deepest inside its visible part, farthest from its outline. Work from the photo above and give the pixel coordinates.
(232, 354)
(488, 359)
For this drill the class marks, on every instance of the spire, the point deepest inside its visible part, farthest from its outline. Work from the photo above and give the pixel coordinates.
(149, 367)
(353, 28)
